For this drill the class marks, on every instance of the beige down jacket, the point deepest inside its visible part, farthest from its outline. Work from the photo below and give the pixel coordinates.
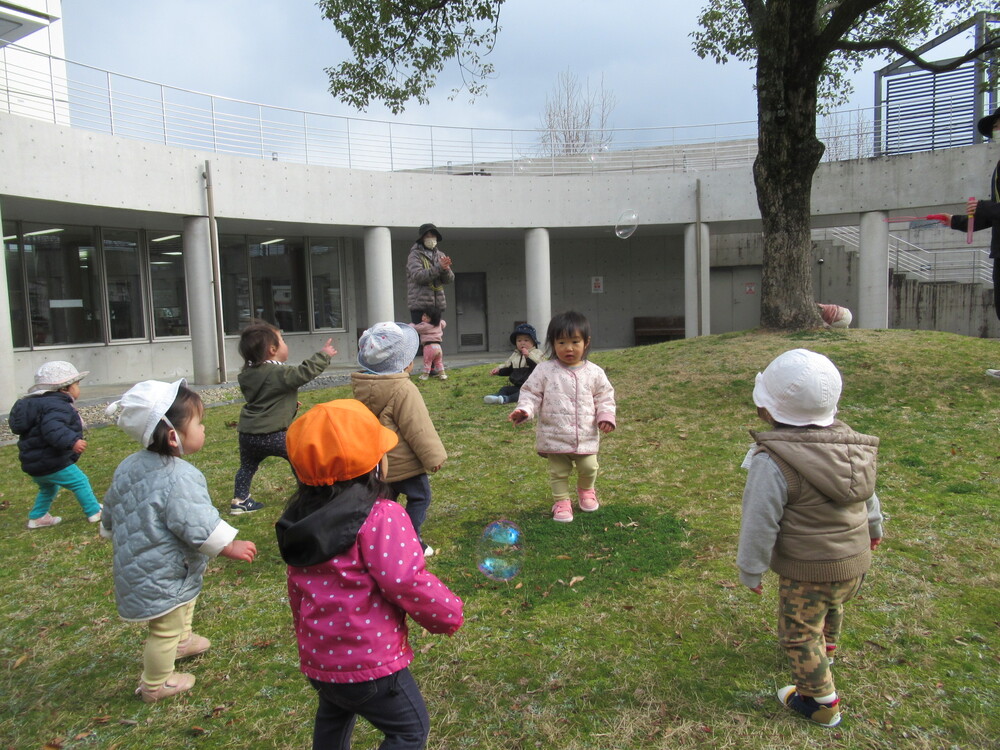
(397, 403)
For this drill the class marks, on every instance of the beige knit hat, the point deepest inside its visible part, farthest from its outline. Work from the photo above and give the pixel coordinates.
(54, 376)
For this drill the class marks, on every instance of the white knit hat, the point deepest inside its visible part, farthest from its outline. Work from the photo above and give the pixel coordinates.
(143, 406)
(54, 376)
(799, 388)
(388, 348)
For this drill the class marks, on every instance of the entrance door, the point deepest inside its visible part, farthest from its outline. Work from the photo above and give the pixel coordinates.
(735, 303)
(470, 312)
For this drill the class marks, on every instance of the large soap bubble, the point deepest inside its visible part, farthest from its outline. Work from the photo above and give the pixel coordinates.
(501, 550)
(627, 223)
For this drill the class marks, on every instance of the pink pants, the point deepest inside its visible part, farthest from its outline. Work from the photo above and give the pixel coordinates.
(433, 359)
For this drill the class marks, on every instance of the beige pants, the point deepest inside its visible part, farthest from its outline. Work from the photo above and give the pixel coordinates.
(560, 466)
(165, 632)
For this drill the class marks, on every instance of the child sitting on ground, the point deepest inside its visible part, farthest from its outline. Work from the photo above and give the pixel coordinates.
(355, 571)
(386, 352)
(271, 390)
(164, 529)
(50, 441)
(518, 366)
(431, 330)
(810, 513)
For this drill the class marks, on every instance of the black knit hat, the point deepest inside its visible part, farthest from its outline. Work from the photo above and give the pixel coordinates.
(985, 126)
(425, 228)
(525, 329)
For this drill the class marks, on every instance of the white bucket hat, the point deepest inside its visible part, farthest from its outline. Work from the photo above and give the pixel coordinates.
(143, 406)
(799, 388)
(54, 376)
(388, 348)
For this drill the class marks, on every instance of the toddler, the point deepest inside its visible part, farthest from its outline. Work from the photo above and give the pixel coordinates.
(355, 570)
(518, 366)
(574, 402)
(810, 513)
(50, 441)
(271, 390)
(164, 529)
(386, 352)
(431, 330)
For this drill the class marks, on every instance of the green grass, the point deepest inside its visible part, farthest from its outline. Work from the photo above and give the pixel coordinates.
(625, 629)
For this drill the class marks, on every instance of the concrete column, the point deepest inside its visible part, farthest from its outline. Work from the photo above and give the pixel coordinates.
(8, 381)
(378, 277)
(873, 271)
(697, 304)
(197, 248)
(538, 287)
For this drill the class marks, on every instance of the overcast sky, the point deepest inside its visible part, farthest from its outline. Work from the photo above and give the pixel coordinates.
(275, 51)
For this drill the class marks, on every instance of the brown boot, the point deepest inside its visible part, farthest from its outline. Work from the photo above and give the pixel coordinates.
(176, 683)
(193, 645)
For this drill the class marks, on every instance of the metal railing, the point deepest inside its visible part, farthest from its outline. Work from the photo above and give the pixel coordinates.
(54, 89)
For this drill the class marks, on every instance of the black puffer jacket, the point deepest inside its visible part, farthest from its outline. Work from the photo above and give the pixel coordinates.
(47, 426)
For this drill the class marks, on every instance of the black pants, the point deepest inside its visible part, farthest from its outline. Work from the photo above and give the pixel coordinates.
(418, 499)
(392, 704)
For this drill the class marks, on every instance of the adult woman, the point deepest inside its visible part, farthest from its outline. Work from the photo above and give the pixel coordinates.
(427, 271)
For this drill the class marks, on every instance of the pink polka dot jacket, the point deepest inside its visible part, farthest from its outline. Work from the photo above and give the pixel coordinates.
(350, 611)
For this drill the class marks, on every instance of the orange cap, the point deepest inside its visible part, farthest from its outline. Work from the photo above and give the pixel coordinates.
(336, 441)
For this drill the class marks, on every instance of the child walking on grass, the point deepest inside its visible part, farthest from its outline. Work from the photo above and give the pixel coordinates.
(271, 390)
(50, 442)
(164, 529)
(574, 402)
(431, 330)
(811, 514)
(355, 571)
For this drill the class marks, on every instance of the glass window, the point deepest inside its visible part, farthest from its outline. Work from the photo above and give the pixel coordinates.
(15, 285)
(236, 302)
(166, 277)
(121, 263)
(280, 288)
(328, 307)
(63, 284)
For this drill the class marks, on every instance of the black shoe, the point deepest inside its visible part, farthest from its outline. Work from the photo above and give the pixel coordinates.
(824, 714)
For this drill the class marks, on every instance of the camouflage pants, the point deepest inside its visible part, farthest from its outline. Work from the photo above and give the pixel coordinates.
(810, 616)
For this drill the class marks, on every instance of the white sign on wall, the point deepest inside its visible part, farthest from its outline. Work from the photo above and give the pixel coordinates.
(597, 285)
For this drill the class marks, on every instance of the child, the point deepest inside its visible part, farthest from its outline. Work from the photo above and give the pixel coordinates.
(810, 513)
(271, 390)
(518, 366)
(165, 529)
(431, 330)
(386, 352)
(50, 441)
(835, 316)
(355, 570)
(575, 403)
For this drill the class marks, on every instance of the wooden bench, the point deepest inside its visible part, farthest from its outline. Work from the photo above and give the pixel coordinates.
(650, 330)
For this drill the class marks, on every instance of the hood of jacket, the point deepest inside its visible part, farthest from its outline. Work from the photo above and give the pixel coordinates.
(311, 538)
(836, 460)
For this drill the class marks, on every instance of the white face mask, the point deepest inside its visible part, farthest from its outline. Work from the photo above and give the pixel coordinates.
(430, 243)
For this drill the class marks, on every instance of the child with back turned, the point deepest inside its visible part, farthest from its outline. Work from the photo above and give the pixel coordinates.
(50, 442)
(271, 390)
(811, 514)
(574, 402)
(164, 529)
(355, 571)
(431, 329)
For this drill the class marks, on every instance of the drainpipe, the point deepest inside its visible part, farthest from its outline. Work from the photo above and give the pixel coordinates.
(213, 235)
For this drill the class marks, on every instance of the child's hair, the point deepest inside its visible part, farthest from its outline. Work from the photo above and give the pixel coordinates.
(567, 324)
(308, 498)
(434, 315)
(256, 341)
(186, 406)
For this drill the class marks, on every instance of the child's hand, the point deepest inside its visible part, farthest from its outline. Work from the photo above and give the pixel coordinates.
(605, 427)
(434, 469)
(495, 371)
(80, 446)
(240, 550)
(518, 416)
(524, 349)
(875, 543)
(328, 350)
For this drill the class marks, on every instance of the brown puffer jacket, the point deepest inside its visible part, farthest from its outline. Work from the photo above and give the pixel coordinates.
(397, 403)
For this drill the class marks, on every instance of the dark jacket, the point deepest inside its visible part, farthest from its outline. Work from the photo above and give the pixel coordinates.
(987, 216)
(48, 425)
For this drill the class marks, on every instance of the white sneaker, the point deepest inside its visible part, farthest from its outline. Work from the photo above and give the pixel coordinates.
(424, 376)
(442, 375)
(40, 523)
(492, 399)
(428, 551)
(993, 373)
(97, 516)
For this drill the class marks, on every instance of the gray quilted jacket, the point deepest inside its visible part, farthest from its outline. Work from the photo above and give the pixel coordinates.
(165, 529)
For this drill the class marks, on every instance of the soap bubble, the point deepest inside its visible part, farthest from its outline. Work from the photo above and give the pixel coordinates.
(500, 551)
(627, 223)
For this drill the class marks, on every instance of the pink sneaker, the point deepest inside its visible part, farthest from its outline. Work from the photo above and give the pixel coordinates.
(562, 511)
(588, 500)
(40, 523)
(193, 645)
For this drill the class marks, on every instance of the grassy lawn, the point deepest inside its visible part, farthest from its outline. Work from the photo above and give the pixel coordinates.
(625, 629)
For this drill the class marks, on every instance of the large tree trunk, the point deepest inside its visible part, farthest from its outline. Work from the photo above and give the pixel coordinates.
(788, 156)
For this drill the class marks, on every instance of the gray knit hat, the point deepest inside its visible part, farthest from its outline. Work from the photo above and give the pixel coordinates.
(388, 348)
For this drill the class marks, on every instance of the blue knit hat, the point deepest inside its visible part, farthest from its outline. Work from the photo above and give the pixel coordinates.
(526, 330)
